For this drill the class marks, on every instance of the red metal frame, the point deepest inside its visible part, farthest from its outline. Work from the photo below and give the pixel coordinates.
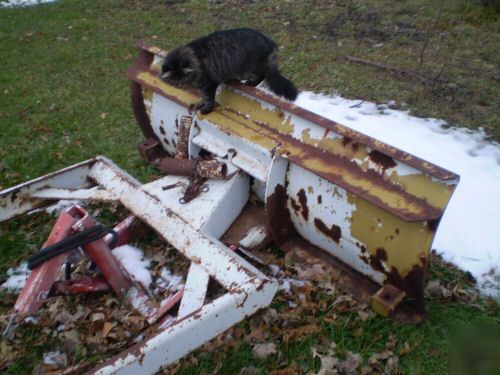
(42, 281)
(42, 278)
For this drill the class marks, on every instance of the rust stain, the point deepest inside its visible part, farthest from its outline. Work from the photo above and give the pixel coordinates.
(303, 203)
(412, 284)
(386, 162)
(376, 261)
(334, 232)
(295, 205)
(433, 225)
(278, 216)
(346, 141)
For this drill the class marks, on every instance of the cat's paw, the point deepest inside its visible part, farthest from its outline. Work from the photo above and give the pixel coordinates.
(204, 107)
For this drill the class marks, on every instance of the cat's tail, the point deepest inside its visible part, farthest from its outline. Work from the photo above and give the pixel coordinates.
(280, 85)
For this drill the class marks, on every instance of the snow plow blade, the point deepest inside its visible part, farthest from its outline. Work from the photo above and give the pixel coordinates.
(327, 189)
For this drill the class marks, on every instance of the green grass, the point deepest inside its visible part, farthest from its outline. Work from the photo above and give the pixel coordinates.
(63, 99)
(430, 343)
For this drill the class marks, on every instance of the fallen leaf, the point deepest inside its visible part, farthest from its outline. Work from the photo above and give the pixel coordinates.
(298, 333)
(434, 288)
(249, 371)
(7, 354)
(363, 315)
(391, 367)
(375, 357)
(262, 351)
(258, 334)
(106, 329)
(270, 316)
(316, 272)
(104, 115)
(328, 362)
(405, 349)
(292, 370)
(350, 364)
(97, 321)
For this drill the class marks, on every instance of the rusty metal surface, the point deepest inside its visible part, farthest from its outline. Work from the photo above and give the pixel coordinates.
(85, 284)
(387, 299)
(177, 167)
(137, 99)
(182, 149)
(211, 169)
(249, 230)
(150, 149)
(100, 253)
(192, 167)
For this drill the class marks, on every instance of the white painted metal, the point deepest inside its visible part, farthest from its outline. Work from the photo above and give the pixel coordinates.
(334, 209)
(248, 156)
(214, 210)
(165, 119)
(195, 290)
(192, 332)
(18, 200)
(277, 175)
(81, 194)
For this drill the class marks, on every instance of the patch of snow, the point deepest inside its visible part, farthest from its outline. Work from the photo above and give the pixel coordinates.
(22, 3)
(31, 319)
(169, 281)
(133, 260)
(16, 278)
(139, 338)
(61, 206)
(139, 301)
(275, 269)
(50, 358)
(287, 283)
(469, 233)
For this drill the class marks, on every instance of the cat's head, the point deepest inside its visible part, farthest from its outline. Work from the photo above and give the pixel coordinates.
(181, 68)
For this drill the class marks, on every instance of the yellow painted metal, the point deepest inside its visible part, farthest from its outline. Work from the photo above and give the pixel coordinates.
(387, 298)
(404, 244)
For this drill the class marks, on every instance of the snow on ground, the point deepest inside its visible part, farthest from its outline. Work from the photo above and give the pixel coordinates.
(22, 3)
(169, 281)
(16, 278)
(51, 358)
(134, 262)
(469, 233)
(61, 206)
